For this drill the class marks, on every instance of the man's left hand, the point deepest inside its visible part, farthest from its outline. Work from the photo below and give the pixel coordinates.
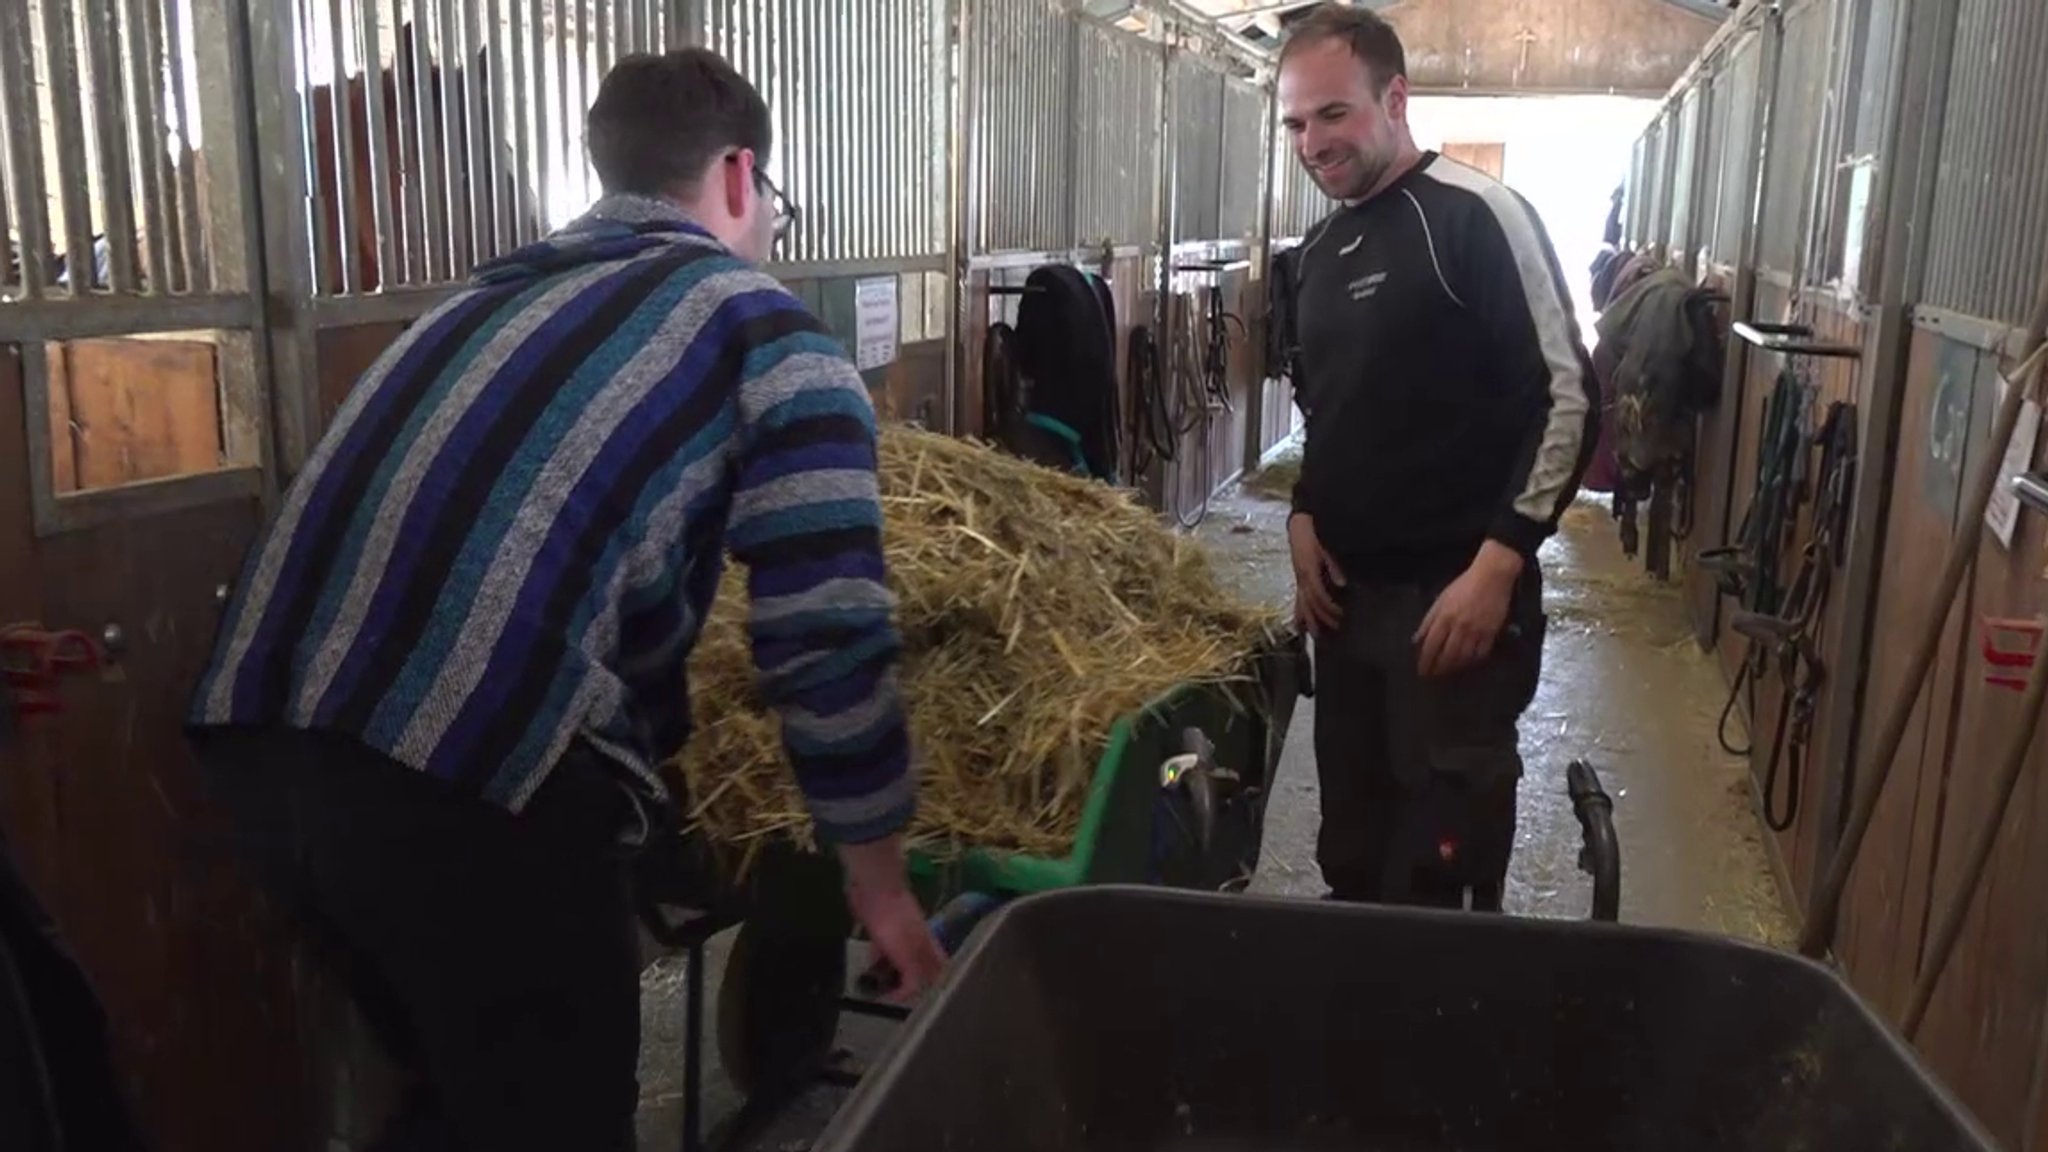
(1466, 619)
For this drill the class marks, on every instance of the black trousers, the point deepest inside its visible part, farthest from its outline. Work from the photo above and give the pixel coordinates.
(494, 956)
(1418, 776)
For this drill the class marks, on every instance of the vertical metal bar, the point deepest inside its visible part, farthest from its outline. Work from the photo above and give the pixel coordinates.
(73, 174)
(480, 73)
(538, 177)
(407, 163)
(349, 212)
(430, 104)
(604, 35)
(144, 90)
(382, 210)
(24, 152)
(522, 146)
(191, 236)
(959, 76)
(566, 177)
(108, 109)
(449, 85)
(8, 259)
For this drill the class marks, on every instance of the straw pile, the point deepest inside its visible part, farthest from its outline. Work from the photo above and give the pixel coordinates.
(1036, 609)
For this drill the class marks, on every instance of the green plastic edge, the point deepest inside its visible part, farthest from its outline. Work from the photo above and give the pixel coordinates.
(992, 870)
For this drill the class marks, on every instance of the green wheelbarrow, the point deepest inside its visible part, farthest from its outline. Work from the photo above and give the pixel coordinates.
(1178, 801)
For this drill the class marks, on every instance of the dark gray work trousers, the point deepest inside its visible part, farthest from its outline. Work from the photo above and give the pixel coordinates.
(1418, 776)
(493, 956)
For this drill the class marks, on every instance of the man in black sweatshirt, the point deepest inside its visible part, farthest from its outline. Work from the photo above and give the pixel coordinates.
(1451, 413)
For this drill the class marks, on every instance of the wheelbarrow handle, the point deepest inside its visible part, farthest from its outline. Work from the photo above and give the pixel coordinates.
(1601, 855)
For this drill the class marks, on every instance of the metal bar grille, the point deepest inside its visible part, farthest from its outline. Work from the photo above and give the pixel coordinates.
(1198, 149)
(1713, 154)
(98, 138)
(1117, 135)
(1241, 151)
(1991, 194)
(851, 91)
(1796, 127)
(1738, 169)
(1024, 107)
(1685, 155)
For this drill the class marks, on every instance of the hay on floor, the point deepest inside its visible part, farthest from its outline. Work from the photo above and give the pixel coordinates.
(1036, 609)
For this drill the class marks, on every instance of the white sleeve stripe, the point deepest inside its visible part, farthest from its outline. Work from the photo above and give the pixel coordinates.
(1558, 455)
(1429, 238)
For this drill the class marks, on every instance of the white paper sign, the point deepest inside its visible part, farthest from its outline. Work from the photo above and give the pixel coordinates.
(875, 325)
(2002, 514)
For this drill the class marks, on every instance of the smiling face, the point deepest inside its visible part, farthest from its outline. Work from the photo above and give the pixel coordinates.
(1348, 129)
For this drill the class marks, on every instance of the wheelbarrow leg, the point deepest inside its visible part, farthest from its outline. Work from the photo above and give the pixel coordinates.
(693, 1047)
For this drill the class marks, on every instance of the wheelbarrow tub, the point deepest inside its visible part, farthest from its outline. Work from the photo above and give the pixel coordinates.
(1246, 719)
(1151, 1019)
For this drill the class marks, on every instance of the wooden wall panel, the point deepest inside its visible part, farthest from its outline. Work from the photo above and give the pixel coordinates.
(1984, 1026)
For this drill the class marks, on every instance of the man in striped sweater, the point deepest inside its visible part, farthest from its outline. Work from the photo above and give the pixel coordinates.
(453, 660)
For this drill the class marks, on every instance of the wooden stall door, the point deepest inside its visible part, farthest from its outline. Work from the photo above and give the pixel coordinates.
(104, 809)
(1490, 158)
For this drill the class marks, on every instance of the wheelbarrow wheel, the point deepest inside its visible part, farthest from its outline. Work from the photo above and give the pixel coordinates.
(778, 1009)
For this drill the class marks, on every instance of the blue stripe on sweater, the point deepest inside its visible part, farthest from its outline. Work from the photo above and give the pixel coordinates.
(321, 501)
(450, 457)
(691, 372)
(336, 582)
(486, 536)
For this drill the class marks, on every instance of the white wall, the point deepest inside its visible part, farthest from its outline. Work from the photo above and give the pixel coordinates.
(1565, 155)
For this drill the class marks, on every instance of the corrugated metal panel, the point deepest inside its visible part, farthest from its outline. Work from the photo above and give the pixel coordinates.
(1795, 125)
(853, 92)
(1657, 178)
(1679, 232)
(1024, 105)
(1880, 40)
(1245, 108)
(1743, 89)
(1198, 148)
(1991, 193)
(1115, 198)
(1713, 153)
(1297, 203)
(1635, 205)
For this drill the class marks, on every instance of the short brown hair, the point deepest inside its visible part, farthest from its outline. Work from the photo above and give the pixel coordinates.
(658, 121)
(1366, 32)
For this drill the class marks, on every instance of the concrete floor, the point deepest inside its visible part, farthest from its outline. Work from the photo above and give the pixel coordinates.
(1624, 688)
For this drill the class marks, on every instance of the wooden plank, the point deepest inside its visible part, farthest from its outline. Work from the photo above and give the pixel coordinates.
(63, 441)
(344, 354)
(1983, 1026)
(1882, 914)
(143, 409)
(195, 970)
(1490, 158)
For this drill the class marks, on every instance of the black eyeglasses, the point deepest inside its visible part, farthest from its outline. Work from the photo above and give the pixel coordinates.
(785, 212)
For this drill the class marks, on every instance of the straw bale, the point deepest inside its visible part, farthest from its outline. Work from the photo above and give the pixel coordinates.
(1036, 609)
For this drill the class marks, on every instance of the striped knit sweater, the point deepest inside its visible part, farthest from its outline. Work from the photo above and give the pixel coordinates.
(512, 532)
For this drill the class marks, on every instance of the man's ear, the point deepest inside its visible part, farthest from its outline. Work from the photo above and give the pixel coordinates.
(737, 175)
(1396, 99)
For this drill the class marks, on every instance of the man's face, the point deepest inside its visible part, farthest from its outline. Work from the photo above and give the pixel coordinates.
(1345, 131)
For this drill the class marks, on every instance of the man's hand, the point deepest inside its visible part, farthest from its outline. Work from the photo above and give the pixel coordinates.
(1466, 619)
(878, 892)
(1316, 578)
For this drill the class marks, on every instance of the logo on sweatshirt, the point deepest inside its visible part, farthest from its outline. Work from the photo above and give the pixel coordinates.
(1348, 249)
(1366, 287)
